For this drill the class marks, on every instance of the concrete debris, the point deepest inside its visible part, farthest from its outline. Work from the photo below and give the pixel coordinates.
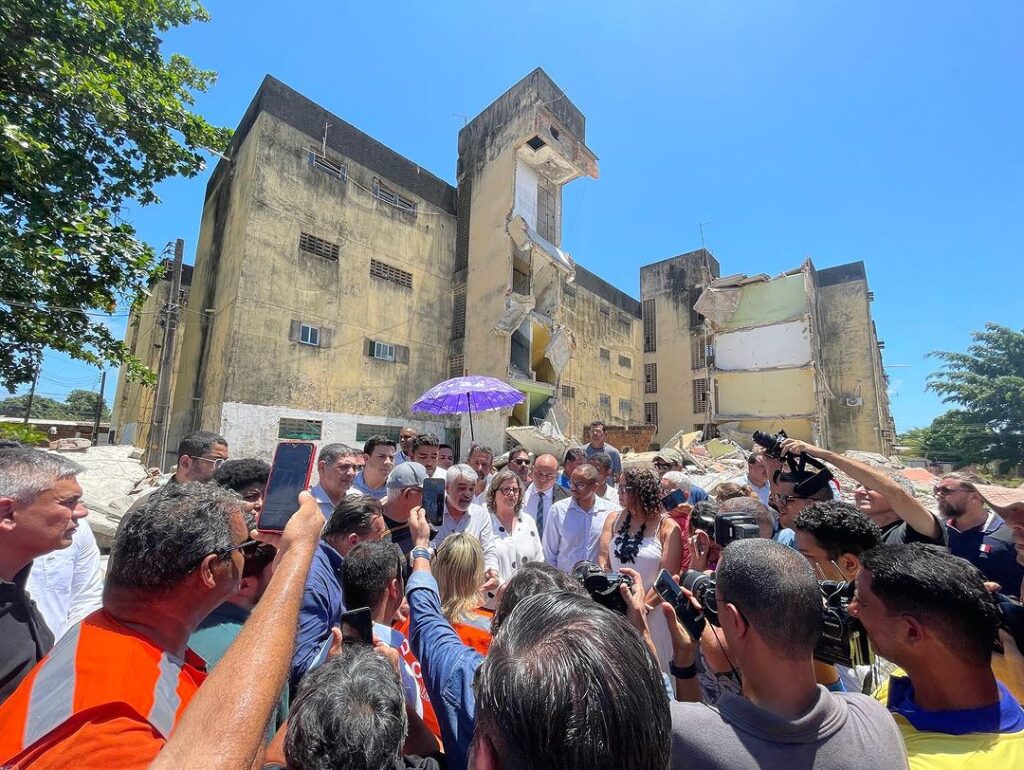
(111, 472)
(517, 307)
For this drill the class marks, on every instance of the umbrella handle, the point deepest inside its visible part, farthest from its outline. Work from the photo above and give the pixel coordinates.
(469, 403)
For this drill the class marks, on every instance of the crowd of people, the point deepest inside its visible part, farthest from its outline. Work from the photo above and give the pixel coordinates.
(363, 636)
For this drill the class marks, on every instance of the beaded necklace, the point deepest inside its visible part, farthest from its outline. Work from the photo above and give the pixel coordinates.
(627, 546)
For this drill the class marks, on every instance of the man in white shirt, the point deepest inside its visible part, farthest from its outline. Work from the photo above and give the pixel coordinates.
(605, 487)
(336, 469)
(543, 492)
(461, 515)
(67, 584)
(757, 476)
(574, 526)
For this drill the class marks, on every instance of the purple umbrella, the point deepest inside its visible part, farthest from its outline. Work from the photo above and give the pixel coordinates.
(468, 394)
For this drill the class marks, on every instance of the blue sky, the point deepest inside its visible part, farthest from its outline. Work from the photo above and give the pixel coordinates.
(877, 131)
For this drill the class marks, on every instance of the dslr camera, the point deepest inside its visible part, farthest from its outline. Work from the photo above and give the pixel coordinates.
(735, 526)
(843, 639)
(772, 444)
(602, 586)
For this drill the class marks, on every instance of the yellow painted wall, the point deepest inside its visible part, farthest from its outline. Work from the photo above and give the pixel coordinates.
(786, 392)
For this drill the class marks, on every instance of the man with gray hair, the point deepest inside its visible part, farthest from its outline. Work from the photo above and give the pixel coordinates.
(673, 480)
(336, 469)
(39, 513)
(463, 515)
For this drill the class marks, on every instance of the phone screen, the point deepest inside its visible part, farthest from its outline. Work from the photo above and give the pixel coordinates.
(666, 587)
(433, 501)
(673, 499)
(357, 626)
(289, 475)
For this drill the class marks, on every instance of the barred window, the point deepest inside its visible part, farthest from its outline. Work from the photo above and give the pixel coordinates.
(365, 429)
(605, 401)
(625, 407)
(459, 312)
(650, 326)
(701, 355)
(605, 354)
(625, 324)
(386, 194)
(327, 165)
(298, 429)
(318, 247)
(457, 366)
(390, 273)
(606, 311)
(625, 362)
(568, 391)
(651, 412)
(700, 396)
(650, 378)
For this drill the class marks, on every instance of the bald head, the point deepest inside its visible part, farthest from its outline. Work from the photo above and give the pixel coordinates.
(584, 481)
(545, 471)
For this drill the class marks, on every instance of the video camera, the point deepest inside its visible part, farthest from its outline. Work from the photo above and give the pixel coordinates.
(602, 586)
(843, 639)
(809, 482)
(726, 527)
(772, 444)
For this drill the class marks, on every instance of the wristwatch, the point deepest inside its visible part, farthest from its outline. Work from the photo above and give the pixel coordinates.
(686, 672)
(420, 553)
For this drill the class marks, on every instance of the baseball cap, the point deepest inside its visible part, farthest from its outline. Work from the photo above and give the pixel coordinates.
(672, 456)
(408, 474)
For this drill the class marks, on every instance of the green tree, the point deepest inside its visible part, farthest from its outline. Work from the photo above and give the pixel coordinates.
(25, 434)
(988, 382)
(954, 437)
(82, 404)
(92, 116)
(42, 407)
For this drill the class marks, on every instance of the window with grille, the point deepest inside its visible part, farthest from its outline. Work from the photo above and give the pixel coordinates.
(700, 396)
(701, 354)
(605, 354)
(318, 246)
(396, 199)
(650, 325)
(327, 165)
(651, 412)
(605, 401)
(625, 324)
(457, 366)
(547, 211)
(650, 378)
(309, 335)
(569, 290)
(459, 312)
(390, 273)
(364, 430)
(568, 391)
(298, 429)
(625, 362)
(606, 311)
(625, 407)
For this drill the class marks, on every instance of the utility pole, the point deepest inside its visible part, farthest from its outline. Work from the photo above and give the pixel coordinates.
(32, 390)
(99, 411)
(162, 403)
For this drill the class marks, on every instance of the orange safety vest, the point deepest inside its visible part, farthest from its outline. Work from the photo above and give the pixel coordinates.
(98, 669)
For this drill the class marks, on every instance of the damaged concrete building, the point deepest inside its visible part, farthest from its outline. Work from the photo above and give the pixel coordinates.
(335, 280)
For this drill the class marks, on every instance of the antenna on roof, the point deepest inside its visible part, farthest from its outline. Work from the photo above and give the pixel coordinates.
(323, 150)
(465, 118)
(701, 226)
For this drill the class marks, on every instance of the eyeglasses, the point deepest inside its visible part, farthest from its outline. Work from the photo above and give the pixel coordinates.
(785, 500)
(248, 549)
(216, 463)
(520, 461)
(625, 487)
(510, 492)
(943, 491)
(663, 466)
(581, 485)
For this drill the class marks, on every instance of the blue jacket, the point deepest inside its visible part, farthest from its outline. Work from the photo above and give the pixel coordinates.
(321, 608)
(447, 665)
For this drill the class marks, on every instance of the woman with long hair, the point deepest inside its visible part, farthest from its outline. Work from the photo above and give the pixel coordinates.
(458, 567)
(642, 537)
(516, 535)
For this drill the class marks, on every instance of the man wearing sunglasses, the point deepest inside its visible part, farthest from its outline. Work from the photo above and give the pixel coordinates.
(519, 464)
(200, 454)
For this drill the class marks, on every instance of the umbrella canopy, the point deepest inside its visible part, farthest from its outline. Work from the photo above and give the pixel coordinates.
(470, 394)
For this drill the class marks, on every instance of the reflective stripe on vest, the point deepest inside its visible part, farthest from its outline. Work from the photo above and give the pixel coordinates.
(52, 698)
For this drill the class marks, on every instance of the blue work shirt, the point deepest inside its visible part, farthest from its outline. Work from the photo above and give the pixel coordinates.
(322, 605)
(697, 495)
(447, 665)
(990, 548)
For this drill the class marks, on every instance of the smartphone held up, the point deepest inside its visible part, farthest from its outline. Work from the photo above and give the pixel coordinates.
(289, 475)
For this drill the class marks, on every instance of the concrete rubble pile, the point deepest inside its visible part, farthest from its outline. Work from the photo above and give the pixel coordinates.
(111, 472)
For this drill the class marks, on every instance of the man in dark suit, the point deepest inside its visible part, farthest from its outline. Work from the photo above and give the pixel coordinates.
(543, 491)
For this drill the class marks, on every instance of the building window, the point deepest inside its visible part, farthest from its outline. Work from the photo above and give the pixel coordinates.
(327, 165)
(569, 290)
(457, 366)
(696, 319)
(568, 391)
(651, 412)
(309, 335)
(625, 362)
(650, 324)
(298, 429)
(625, 408)
(701, 355)
(385, 351)
(606, 311)
(390, 273)
(605, 354)
(700, 396)
(650, 378)
(459, 312)
(396, 199)
(318, 247)
(625, 324)
(365, 430)
(605, 402)
(547, 211)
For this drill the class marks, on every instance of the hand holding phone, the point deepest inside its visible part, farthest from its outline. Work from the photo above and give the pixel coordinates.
(433, 501)
(357, 626)
(289, 475)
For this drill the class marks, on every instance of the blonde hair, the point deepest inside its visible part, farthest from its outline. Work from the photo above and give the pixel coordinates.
(458, 568)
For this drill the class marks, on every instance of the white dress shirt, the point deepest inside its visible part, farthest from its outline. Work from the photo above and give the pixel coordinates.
(515, 548)
(530, 501)
(477, 522)
(67, 584)
(571, 534)
(611, 496)
(763, 493)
